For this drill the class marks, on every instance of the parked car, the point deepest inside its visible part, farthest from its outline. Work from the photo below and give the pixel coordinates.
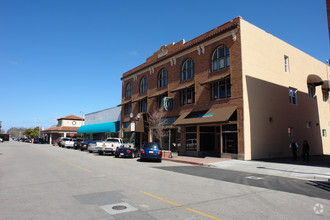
(28, 140)
(77, 142)
(84, 145)
(58, 141)
(151, 151)
(127, 150)
(39, 141)
(67, 142)
(109, 145)
(92, 147)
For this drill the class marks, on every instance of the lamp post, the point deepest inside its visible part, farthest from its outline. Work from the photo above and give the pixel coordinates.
(133, 124)
(82, 121)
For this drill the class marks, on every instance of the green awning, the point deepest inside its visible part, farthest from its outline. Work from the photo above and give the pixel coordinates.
(99, 128)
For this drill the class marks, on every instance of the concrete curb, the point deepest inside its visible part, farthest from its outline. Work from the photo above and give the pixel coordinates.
(311, 178)
(184, 161)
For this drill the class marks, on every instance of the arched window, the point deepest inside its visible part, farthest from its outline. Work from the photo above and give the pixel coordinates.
(128, 90)
(187, 70)
(162, 78)
(220, 58)
(143, 85)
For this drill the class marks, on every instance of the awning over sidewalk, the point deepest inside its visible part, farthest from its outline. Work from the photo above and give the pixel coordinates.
(99, 128)
(158, 94)
(214, 79)
(206, 117)
(184, 86)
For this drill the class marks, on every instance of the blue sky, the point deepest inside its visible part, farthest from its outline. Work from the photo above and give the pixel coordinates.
(61, 57)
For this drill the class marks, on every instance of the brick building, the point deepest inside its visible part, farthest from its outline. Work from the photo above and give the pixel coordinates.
(237, 91)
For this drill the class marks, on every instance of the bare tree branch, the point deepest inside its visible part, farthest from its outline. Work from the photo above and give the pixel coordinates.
(156, 121)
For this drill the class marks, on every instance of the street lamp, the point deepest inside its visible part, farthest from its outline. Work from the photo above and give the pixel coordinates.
(82, 121)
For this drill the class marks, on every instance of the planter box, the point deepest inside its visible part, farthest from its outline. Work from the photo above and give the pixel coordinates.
(169, 154)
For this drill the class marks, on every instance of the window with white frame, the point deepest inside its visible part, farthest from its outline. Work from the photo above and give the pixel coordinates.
(293, 96)
(311, 91)
(143, 85)
(286, 64)
(220, 58)
(324, 132)
(187, 70)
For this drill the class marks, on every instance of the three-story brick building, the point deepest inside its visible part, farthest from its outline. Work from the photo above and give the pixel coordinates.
(235, 91)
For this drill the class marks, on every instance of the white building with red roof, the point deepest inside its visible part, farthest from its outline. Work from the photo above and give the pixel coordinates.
(66, 126)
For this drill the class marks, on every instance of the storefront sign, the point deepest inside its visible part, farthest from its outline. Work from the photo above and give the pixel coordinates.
(133, 126)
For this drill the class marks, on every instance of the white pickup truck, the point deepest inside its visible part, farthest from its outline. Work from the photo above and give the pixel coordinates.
(109, 146)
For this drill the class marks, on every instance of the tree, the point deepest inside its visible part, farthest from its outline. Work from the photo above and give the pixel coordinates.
(156, 121)
(32, 132)
(16, 132)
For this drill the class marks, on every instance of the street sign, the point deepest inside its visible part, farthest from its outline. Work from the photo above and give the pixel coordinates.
(133, 126)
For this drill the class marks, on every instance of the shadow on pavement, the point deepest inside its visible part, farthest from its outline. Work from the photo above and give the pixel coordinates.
(315, 160)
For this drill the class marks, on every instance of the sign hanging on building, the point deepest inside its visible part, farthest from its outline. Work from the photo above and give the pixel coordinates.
(168, 103)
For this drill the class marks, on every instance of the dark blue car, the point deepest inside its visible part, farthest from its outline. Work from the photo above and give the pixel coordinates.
(127, 150)
(151, 151)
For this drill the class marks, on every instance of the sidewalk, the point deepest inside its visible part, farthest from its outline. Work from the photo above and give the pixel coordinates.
(317, 169)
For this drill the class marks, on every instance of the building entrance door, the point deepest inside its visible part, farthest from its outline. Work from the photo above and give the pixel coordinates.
(230, 143)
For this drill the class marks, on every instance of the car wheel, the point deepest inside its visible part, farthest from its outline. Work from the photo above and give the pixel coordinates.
(116, 156)
(100, 152)
(90, 151)
(81, 149)
(159, 160)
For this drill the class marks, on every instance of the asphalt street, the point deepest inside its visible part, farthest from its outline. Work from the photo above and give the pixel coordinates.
(47, 182)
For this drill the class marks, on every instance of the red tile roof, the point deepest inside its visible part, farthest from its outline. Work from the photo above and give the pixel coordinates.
(174, 49)
(62, 128)
(71, 117)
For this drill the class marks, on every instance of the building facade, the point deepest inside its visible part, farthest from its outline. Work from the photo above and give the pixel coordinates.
(66, 127)
(235, 91)
(101, 124)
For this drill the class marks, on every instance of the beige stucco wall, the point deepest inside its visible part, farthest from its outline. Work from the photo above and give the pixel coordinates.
(69, 123)
(267, 111)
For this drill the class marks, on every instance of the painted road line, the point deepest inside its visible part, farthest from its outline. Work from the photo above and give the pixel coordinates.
(74, 165)
(179, 205)
(71, 164)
